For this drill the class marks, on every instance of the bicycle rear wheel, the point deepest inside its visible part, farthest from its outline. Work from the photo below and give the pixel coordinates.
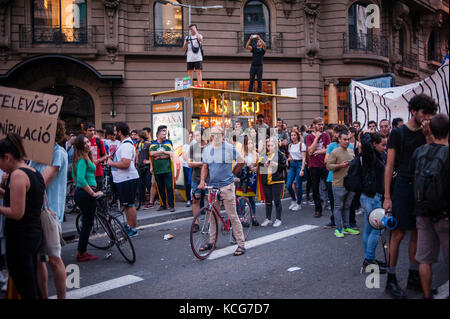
(201, 237)
(123, 241)
(246, 214)
(99, 237)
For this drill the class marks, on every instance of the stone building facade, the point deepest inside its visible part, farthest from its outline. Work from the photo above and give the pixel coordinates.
(107, 56)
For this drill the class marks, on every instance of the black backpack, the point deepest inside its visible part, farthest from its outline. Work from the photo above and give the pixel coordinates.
(353, 180)
(430, 181)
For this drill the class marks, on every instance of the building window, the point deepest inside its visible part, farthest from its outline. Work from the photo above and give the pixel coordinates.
(433, 49)
(359, 36)
(168, 25)
(257, 21)
(59, 21)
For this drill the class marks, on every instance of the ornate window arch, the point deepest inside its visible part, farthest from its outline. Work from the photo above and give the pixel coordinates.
(168, 24)
(257, 20)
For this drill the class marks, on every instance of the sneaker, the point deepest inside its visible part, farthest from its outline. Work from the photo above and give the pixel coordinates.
(318, 214)
(188, 204)
(161, 208)
(132, 232)
(350, 231)
(85, 257)
(172, 209)
(354, 226)
(255, 222)
(297, 207)
(367, 262)
(329, 225)
(393, 289)
(277, 223)
(414, 280)
(292, 205)
(266, 223)
(338, 234)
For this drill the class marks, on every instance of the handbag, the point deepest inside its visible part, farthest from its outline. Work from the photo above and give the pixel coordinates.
(52, 230)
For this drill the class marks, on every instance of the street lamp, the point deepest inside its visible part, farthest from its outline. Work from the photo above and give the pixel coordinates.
(189, 7)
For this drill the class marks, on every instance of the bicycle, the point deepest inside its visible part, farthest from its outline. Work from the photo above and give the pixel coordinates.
(108, 231)
(70, 206)
(203, 219)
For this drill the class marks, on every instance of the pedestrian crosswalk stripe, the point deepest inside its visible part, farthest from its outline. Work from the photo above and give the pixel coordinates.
(101, 287)
(262, 240)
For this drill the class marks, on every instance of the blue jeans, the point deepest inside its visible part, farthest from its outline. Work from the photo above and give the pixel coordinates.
(370, 234)
(294, 173)
(342, 201)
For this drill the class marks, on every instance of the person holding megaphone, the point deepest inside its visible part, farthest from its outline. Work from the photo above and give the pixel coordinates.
(373, 165)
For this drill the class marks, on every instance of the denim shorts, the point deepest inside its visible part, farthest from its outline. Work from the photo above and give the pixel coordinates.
(127, 192)
(195, 191)
(403, 203)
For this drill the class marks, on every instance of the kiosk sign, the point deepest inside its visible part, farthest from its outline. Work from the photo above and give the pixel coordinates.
(33, 116)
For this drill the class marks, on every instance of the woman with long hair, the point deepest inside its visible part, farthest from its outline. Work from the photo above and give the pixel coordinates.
(23, 196)
(271, 168)
(247, 176)
(297, 155)
(83, 172)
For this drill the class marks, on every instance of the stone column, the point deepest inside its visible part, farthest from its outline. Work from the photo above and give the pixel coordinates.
(332, 100)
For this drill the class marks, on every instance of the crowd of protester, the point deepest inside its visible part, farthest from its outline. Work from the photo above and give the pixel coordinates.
(258, 163)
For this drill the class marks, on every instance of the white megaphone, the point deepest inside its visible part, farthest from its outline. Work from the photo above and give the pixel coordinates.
(378, 219)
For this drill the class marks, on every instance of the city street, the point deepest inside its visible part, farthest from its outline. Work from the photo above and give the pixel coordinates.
(325, 267)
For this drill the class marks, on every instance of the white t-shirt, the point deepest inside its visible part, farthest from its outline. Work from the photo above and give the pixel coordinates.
(125, 150)
(190, 55)
(294, 150)
(113, 145)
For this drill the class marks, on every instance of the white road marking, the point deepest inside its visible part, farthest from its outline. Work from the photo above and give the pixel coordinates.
(164, 223)
(101, 287)
(262, 240)
(442, 291)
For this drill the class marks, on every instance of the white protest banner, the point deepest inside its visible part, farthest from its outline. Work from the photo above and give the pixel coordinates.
(33, 116)
(374, 104)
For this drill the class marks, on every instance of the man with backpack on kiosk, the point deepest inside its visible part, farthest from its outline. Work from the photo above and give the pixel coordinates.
(401, 145)
(431, 176)
(194, 54)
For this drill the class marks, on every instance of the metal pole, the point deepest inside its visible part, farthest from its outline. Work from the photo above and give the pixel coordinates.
(223, 111)
(189, 15)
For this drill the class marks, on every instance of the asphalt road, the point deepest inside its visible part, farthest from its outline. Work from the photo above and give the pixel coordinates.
(326, 267)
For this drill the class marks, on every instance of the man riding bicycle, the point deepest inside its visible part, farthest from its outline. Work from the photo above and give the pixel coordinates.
(218, 160)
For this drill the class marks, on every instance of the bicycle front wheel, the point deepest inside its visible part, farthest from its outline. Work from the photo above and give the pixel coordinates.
(98, 237)
(123, 241)
(245, 214)
(200, 237)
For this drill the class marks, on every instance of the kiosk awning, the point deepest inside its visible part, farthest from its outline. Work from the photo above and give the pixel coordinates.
(208, 93)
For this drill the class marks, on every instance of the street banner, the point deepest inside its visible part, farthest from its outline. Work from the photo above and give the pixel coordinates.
(374, 104)
(33, 116)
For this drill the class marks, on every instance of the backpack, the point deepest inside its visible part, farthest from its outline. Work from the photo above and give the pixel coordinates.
(99, 146)
(429, 178)
(353, 180)
(195, 49)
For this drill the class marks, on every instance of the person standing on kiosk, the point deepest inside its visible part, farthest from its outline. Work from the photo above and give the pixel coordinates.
(194, 54)
(258, 52)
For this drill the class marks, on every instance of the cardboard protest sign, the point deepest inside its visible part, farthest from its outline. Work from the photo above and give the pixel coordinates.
(33, 116)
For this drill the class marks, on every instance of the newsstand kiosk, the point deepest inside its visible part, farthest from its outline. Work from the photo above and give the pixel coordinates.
(184, 109)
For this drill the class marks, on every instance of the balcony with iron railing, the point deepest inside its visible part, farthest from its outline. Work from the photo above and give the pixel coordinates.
(46, 39)
(410, 61)
(226, 44)
(366, 47)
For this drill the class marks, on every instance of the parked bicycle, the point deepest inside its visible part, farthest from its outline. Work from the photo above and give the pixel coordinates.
(204, 217)
(70, 207)
(108, 231)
